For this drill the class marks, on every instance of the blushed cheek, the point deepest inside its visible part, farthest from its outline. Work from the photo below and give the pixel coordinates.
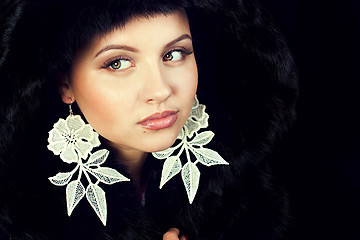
(92, 109)
(191, 79)
(189, 86)
(92, 102)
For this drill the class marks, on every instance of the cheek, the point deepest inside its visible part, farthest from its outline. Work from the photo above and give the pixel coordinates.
(92, 104)
(191, 82)
(186, 80)
(98, 101)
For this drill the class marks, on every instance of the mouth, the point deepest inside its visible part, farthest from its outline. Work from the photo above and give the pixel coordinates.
(159, 121)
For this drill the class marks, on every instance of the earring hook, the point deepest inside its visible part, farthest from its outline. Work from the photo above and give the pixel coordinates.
(70, 108)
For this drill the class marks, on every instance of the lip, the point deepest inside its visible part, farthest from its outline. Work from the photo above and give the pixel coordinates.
(159, 121)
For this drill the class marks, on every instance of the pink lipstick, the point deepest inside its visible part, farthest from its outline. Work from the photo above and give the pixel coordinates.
(159, 121)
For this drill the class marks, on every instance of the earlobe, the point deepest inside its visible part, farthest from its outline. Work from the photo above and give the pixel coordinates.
(65, 91)
(67, 100)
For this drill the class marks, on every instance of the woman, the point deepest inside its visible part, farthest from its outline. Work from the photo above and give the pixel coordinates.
(129, 71)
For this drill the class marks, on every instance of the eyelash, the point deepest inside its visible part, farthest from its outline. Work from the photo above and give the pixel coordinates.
(111, 61)
(183, 51)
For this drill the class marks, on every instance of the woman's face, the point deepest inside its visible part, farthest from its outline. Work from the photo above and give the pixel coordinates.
(136, 85)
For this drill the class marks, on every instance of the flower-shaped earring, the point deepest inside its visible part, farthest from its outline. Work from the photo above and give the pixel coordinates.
(189, 172)
(74, 140)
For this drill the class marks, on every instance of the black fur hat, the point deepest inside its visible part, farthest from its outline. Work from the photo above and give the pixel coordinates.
(246, 76)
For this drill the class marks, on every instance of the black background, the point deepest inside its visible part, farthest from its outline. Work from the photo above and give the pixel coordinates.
(319, 162)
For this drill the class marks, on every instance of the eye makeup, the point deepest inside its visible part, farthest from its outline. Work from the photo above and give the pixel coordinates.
(169, 55)
(118, 63)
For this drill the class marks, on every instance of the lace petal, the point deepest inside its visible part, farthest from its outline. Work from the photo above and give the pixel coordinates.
(83, 148)
(69, 155)
(55, 136)
(108, 175)
(57, 147)
(191, 127)
(61, 178)
(96, 197)
(74, 123)
(195, 103)
(164, 153)
(95, 140)
(209, 157)
(86, 133)
(202, 138)
(97, 158)
(198, 112)
(75, 191)
(204, 121)
(61, 126)
(171, 167)
(191, 177)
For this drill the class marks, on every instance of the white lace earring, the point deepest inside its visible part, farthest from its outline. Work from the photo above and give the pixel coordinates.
(74, 140)
(189, 143)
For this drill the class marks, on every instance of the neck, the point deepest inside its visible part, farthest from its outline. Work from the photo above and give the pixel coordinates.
(134, 161)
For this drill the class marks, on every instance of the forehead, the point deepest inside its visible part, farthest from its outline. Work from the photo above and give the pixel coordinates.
(145, 30)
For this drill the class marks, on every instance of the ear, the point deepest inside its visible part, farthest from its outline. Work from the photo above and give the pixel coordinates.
(64, 88)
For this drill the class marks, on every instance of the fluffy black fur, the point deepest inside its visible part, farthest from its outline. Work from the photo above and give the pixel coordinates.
(10, 12)
(246, 79)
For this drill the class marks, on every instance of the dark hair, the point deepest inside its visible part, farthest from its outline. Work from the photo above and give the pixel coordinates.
(88, 19)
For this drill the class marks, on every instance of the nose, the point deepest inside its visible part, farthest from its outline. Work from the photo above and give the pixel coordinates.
(157, 86)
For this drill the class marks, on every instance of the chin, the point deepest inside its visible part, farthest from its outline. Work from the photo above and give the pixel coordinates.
(159, 144)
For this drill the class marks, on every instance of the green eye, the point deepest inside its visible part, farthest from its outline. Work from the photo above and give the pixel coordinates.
(119, 64)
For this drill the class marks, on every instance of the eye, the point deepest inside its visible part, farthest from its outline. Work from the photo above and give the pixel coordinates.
(176, 55)
(118, 64)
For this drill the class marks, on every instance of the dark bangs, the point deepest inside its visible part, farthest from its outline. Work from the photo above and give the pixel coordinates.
(80, 21)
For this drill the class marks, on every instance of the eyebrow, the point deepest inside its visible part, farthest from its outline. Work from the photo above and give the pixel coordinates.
(110, 47)
(131, 49)
(182, 37)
